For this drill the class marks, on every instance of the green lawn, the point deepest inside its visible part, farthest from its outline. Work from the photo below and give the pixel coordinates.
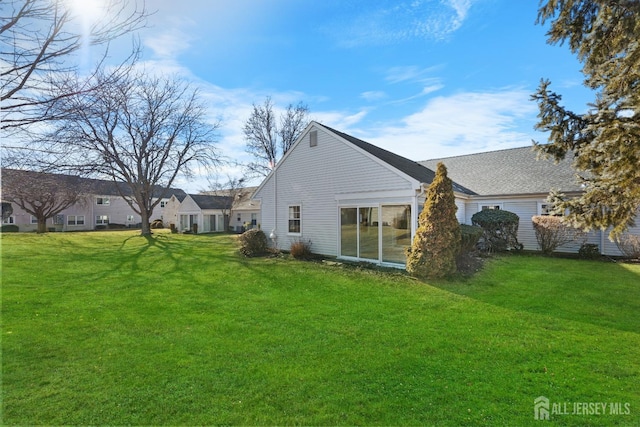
(113, 328)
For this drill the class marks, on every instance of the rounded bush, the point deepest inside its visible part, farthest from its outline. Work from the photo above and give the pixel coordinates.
(253, 243)
(500, 229)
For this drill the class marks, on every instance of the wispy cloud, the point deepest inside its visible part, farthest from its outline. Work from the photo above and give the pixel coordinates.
(411, 73)
(373, 95)
(402, 21)
(458, 124)
(168, 44)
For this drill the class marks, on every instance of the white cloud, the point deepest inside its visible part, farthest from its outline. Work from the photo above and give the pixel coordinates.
(373, 95)
(459, 124)
(168, 44)
(406, 20)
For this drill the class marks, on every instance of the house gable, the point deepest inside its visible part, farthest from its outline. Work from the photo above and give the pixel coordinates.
(316, 176)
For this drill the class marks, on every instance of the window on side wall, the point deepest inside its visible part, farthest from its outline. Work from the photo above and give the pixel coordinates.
(102, 219)
(75, 220)
(492, 206)
(547, 209)
(103, 201)
(10, 220)
(294, 219)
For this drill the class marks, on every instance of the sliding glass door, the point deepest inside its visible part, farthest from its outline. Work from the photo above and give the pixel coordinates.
(376, 233)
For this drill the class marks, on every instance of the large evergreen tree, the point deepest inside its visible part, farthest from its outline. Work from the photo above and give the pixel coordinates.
(437, 240)
(605, 141)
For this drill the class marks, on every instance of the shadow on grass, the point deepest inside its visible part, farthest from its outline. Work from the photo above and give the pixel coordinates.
(594, 292)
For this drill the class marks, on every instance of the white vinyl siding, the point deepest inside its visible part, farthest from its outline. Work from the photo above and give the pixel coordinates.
(314, 177)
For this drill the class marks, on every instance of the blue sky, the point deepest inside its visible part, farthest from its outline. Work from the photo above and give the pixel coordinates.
(422, 78)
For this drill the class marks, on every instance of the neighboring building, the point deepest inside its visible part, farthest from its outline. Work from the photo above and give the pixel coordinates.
(102, 205)
(356, 201)
(202, 213)
(215, 211)
(245, 213)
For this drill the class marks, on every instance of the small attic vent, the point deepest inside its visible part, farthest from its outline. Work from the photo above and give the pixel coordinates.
(313, 138)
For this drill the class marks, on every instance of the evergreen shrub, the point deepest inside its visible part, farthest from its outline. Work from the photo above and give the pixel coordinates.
(500, 229)
(437, 240)
(470, 235)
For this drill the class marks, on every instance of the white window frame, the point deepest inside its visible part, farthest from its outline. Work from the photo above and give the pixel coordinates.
(76, 220)
(34, 220)
(163, 203)
(102, 219)
(103, 201)
(10, 220)
(490, 205)
(299, 219)
(131, 218)
(544, 211)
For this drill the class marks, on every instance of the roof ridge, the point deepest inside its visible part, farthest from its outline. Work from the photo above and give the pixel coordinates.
(476, 154)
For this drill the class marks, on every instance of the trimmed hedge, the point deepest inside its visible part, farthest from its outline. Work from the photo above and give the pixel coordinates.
(500, 229)
(9, 228)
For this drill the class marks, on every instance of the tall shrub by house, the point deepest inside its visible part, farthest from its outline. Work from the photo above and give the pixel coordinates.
(437, 240)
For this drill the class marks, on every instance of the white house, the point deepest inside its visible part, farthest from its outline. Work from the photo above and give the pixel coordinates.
(212, 211)
(356, 201)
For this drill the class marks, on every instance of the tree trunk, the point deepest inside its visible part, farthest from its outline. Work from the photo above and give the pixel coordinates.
(42, 225)
(146, 227)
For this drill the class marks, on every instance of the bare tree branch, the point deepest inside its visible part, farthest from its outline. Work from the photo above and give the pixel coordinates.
(140, 130)
(267, 140)
(38, 39)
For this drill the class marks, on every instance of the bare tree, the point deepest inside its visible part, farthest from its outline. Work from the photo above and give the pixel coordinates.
(40, 194)
(38, 39)
(139, 130)
(267, 139)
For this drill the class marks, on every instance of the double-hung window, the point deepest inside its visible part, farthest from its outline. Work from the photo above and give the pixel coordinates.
(102, 219)
(105, 201)
(75, 220)
(295, 217)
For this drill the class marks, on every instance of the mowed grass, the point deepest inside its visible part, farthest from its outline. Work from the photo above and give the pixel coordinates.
(113, 328)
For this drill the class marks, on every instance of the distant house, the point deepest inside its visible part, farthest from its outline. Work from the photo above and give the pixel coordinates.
(356, 201)
(102, 206)
(202, 213)
(214, 212)
(246, 211)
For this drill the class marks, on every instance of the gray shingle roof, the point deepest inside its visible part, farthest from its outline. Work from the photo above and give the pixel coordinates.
(420, 172)
(511, 171)
(89, 185)
(205, 201)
